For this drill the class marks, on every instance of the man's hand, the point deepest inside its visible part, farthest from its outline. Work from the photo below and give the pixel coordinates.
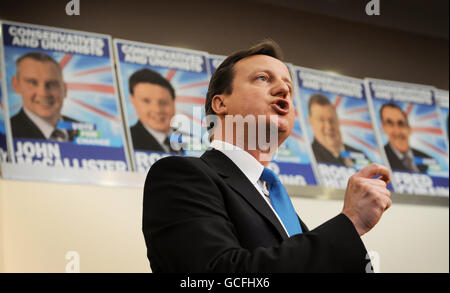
(366, 197)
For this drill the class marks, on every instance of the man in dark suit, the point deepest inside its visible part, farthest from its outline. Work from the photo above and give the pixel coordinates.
(222, 213)
(153, 98)
(23, 127)
(40, 83)
(400, 154)
(327, 145)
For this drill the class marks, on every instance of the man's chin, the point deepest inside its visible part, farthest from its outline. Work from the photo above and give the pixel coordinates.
(283, 126)
(160, 129)
(402, 149)
(157, 126)
(283, 135)
(46, 115)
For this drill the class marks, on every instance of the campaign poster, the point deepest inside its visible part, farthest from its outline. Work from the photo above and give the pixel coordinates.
(61, 103)
(3, 148)
(410, 132)
(214, 62)
(442, 102)
(338, 125)
(163, 92)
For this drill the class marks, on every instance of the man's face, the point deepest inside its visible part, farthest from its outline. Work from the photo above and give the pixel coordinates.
(42, 88)
(262, 86)
(325, 124)
(154, 105)
(396, 127)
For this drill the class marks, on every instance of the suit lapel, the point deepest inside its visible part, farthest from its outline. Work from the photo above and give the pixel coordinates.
(234, 177)
(32, 131)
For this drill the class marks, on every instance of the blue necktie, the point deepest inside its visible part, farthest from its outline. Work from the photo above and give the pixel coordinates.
(281, 202)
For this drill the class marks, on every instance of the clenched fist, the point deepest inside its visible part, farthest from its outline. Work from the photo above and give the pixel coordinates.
(367, 197)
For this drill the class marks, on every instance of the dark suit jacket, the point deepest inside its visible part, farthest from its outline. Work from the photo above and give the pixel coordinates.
(144, 140)
(322, 155)
(397, 164)
(204, 215)
(24, 127)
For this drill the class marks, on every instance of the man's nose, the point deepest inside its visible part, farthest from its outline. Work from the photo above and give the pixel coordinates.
(280, 89)
(161, 109)
(396, 128)
(42, 89)
(328, 124)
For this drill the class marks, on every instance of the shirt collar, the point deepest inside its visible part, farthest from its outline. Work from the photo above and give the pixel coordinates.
(45, 127)
(251, 168)
(158, 135)
(401, 155)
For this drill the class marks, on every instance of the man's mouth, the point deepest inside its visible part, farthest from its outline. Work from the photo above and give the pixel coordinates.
(399, 137)
(281, 106)
(44, 103)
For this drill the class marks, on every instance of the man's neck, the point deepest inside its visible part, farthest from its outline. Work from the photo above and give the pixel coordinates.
(159, 135)
(400, 154)
(335, 150)
(52, 121)
(262, 156)
(243, 137)
(46, 126)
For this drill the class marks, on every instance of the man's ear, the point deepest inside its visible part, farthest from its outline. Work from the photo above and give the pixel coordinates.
(133, 100)
(218, 104)
(65, 89)
(409, 130)
(383, 127)
(15, 84)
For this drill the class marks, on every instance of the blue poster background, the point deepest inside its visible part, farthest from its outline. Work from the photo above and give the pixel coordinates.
(3, 147)
(92, 98)
(427, 136)
(190, 89)
(354, 118)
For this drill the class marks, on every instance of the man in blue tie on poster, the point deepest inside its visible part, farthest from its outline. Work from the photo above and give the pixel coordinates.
(226, 211)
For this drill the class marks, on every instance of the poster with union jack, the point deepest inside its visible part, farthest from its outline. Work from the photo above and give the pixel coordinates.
(410, 132)
(163, 92)
(3, 148)
(337, 123)
(60, 100)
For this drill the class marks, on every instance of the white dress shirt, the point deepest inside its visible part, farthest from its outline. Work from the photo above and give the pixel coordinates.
(251, 168)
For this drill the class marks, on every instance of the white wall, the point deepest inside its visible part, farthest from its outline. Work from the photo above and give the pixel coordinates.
(408, 238)
(41, 222)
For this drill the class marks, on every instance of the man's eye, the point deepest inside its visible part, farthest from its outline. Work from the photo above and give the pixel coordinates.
(31, 82)
(262, 77)
(52, 85)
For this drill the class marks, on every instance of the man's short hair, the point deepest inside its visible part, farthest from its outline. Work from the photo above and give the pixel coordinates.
(222, 79)
(393, 105)
(149, 76)
(37, 56)
(318, 99)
